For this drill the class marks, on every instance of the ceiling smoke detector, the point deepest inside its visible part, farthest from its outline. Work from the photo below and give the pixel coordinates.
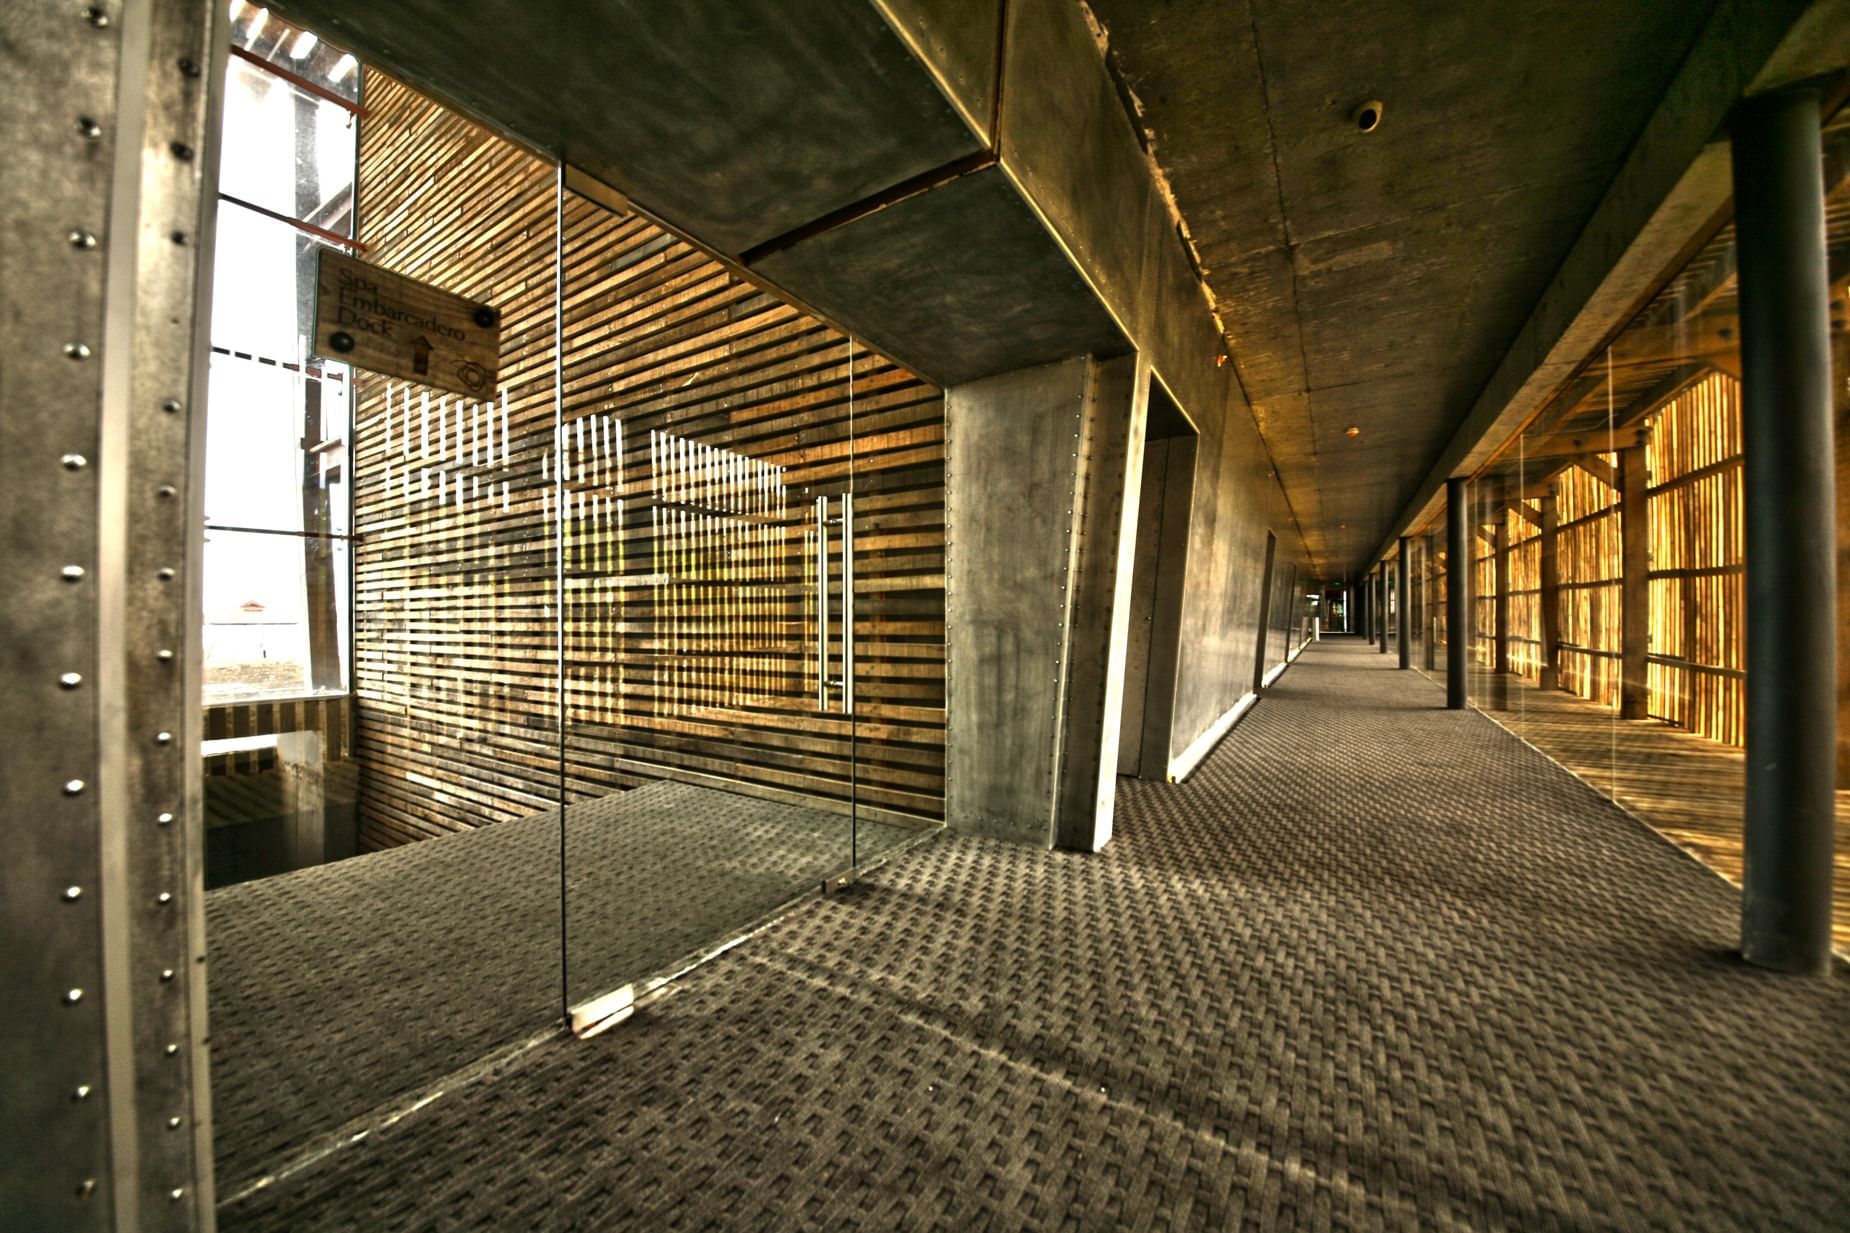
(1367, 116)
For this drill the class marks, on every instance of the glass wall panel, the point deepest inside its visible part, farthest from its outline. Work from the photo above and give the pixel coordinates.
(751, 528)
(1628, 564)
(381, 761)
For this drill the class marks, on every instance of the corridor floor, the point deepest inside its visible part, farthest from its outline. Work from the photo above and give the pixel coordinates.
(1376, 965)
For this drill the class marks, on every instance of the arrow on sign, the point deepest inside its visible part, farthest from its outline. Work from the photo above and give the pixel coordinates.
(420, 354)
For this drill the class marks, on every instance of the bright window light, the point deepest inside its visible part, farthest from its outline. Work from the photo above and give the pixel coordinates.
(342, 67)
(304, 43)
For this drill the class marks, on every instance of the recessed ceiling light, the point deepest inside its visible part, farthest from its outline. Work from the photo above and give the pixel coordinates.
(1352, 431)
(1367, 116)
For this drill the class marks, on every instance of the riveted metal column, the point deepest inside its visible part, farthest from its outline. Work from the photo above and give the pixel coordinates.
(1402, 575)
(113, 139)
(1791, 533)
(1457, 594)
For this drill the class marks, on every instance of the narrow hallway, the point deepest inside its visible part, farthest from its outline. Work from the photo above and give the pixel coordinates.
(1375, 965)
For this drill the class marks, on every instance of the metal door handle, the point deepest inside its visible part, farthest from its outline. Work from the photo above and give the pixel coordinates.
(847, 603)
(822, 603)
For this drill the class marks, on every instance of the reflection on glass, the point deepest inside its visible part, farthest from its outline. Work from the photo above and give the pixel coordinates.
(386, 860)
(275, 615)
(286, 150)
(1627, 614)
(277, 446)
(263, 287)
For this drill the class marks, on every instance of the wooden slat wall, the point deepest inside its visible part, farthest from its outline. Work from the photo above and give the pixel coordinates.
(1525, 541)
(330, 716)
(1698, 562)
(1697, 667)
(1483, 590)
(703, 417)
(456, 641)
(1589, 553)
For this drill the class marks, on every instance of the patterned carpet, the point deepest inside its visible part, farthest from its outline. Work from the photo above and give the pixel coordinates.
(1377, 965)
(343, 988)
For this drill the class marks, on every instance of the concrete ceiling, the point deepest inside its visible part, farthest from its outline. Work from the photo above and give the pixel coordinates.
(1375, 280)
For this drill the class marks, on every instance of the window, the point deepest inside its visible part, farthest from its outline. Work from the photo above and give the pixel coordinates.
(278, 517)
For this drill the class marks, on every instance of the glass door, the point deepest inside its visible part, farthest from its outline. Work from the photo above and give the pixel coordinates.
(710, 538)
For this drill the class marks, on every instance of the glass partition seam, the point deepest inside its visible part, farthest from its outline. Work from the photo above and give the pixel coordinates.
(558, 438)
(854, 723)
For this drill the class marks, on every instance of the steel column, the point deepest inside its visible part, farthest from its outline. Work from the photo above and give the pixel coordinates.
(1457, 593)
(1791, 533)
(1401, 574)
(1381, 593)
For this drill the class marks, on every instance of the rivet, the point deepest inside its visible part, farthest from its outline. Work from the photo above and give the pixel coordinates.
(74, 462)
(71, 573)
(163, 899)
(81, 239)
(181, 151)
(88, 128)
(164, 819)
(163, 738)
(71, 680)
(170, 405)
(178, 237)
(166, 975)
(86, 1188)
(173, 1123)
(189, 67)
(164, 655)
(77, 351)
(96, 17)
(173, 1050)
(165, 573)
(73, 786)
(73, 893)
(166, 492)
(73, 996)
(82, 1092)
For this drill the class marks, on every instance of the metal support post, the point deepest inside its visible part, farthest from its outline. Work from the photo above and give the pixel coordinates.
(1403, 575)
(1457, 594)
(1791, 533)
(1381, 593)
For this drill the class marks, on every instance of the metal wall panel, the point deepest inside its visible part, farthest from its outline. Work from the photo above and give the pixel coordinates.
(102, 1128)
(155, 550)
(60, 127)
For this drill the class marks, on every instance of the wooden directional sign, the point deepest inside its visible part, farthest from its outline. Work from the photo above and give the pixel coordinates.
(373, 318)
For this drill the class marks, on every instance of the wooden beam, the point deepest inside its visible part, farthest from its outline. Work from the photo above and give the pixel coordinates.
(1670, 386)
(1600, 470)
(1635, 581)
